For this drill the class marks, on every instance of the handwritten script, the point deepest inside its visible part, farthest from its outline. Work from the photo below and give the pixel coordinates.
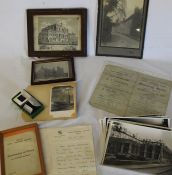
(69, 151)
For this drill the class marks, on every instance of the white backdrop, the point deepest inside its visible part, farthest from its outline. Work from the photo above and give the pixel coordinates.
(15, 67)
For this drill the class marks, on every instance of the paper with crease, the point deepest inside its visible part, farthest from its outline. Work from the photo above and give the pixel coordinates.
(125, 92)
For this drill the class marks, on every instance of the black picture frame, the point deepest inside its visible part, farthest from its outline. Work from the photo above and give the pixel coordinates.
(52, 71)
(121, 28)
(57, 32)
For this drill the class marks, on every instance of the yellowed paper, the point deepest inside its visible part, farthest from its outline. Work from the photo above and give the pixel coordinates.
(69, 151)
(126, 92)
(21, 154)
(43, 94)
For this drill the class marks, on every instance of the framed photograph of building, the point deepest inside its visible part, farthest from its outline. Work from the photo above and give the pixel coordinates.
(121, 27)
(21, 151)
(52, 71)
(57, 32)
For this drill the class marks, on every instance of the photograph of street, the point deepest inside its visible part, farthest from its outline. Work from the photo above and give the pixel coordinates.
(122, 23)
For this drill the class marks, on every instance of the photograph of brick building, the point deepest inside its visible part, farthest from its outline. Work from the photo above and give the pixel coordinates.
(139, 148)
(49, 71)
(57, 34)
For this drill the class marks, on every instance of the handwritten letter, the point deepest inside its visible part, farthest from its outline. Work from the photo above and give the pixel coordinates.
(69, 151)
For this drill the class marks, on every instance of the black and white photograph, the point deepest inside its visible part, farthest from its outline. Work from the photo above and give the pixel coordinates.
(56, 31)
(121, 25)
(62, 98)
(51, 71)
(139, 148)
(152, 121)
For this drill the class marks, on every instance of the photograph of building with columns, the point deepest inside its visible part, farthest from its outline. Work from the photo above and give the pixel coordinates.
(139, 148)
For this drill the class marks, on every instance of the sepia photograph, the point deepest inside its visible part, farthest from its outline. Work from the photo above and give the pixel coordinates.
(139, 148)
(62, 98)
(121, 26)
(51, 71)
(57, 32)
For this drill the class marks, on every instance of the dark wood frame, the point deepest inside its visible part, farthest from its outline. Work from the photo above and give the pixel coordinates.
(30, 27)
(120, 51)
(71, 71)
(31, 126)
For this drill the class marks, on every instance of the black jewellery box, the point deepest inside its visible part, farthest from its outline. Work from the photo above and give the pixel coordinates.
(28, 103)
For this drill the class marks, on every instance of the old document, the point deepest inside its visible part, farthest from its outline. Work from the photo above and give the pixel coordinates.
(21, 154)
(125, 92)
(69, 150)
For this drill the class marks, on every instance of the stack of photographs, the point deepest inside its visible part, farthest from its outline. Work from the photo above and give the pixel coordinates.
(140, 144)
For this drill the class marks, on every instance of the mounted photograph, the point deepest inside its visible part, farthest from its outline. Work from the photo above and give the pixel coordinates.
(121, 27)
(57, 32)
(52, 71)
(63, 101)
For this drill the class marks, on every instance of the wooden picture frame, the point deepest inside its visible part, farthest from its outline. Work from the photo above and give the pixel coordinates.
(2, 155)
(121, 27)
(21, 148)
(52, 71)
(57, 32)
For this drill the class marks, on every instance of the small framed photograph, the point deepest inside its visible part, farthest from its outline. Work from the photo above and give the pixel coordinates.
(121, 27)
(22, 151)
(63, 101)
(57, 32)
(52, 71)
